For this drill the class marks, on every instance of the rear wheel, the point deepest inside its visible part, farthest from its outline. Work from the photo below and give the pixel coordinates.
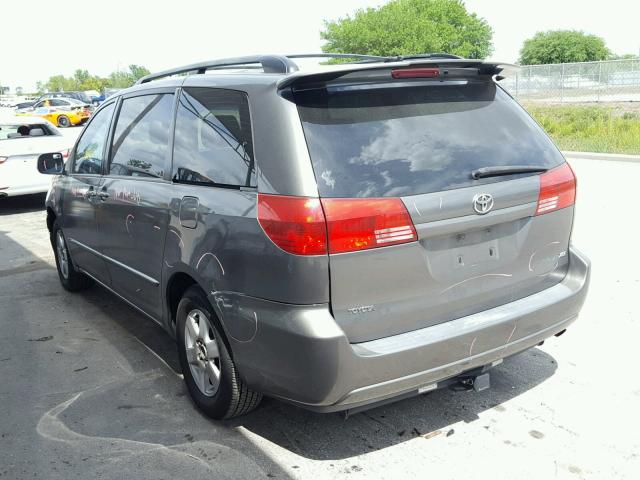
(63, 121)
(70, 278)
(209, 371)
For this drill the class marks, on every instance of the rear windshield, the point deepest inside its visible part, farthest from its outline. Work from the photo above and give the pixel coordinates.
(413, 138)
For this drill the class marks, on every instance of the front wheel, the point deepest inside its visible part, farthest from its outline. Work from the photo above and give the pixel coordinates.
(70, 278)
(63, 121)
(209, 371)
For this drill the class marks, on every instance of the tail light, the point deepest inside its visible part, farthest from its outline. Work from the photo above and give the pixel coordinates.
(557, 189)
(295, 224)
(3, 159)
(415, 73)
(361, 223)
(309, 226)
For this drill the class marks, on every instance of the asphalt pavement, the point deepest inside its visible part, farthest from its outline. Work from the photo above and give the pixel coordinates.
(91, 389)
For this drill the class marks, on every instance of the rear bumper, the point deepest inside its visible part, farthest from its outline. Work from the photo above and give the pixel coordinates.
(299, 354)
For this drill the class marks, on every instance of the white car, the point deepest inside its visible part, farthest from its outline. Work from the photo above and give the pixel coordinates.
(22, 140)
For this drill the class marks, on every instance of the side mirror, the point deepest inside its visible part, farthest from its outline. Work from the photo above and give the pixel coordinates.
(51, 163)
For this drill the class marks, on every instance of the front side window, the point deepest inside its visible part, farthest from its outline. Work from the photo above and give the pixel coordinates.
(213, 143)
(141, 140)
(90, 151)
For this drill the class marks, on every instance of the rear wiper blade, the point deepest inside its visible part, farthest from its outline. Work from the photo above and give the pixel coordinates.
(496, 171)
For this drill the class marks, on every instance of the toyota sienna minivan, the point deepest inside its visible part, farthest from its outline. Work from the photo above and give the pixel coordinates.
(337, 238)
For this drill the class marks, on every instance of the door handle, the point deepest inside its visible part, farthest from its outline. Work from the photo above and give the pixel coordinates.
(90, 193)
(103, 194)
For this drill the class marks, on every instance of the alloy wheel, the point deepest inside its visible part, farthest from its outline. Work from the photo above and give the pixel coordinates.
(63, 256)
(202, 352)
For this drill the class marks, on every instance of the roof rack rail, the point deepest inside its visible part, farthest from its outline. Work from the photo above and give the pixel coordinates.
(269, 63)
(368, 58)
(399, 58)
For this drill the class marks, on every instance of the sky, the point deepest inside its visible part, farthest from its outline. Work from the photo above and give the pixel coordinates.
(102, 36)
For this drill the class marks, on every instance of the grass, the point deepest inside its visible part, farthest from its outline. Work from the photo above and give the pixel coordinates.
(603, 129)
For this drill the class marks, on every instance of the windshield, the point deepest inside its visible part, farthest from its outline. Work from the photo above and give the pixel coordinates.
(412, 138)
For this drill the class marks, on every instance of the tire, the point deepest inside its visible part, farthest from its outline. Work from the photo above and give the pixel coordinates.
(70, 278)
(205, 359)
(63, 121)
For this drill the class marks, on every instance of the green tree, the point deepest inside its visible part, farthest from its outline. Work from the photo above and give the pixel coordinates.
(138, 71)
(563, 46)
(404, 27)
(83, 80)
(624, 56)
(80, 77)
(60, 83)
(120, 80)
(124, 79)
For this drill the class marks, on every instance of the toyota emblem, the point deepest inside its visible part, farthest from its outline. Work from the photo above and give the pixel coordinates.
(482, 203)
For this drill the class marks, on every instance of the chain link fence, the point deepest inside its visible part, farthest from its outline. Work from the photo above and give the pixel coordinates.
(608, 81)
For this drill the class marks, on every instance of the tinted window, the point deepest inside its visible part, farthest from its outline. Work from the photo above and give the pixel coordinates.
(416, 139)
(57, 102)
(212, 142)
(141, 140)
(89, 152)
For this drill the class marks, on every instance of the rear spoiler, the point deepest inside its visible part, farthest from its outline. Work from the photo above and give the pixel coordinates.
(332, 72)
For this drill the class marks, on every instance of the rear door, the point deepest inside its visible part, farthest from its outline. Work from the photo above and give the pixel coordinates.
(134, 197)
(478, 243)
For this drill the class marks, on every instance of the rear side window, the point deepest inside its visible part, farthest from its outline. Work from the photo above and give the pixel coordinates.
(90, 150)
(141, 140)
(213, 143)
(416, 138)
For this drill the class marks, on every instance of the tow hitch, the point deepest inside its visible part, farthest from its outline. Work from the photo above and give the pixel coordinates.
(479, 383)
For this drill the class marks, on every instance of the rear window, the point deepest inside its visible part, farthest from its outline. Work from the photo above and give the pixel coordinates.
(213, 144)
(412, 138)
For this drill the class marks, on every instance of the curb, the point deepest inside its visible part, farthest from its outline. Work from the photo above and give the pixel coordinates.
(616, 157)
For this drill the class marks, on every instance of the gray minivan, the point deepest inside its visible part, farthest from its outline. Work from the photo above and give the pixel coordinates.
(335, 238)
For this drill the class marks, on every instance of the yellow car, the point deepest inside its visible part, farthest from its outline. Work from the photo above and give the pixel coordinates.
(62, 112)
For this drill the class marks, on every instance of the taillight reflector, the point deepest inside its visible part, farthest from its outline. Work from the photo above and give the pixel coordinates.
(310, 226)
(415, 73)
(361, 223)
(557, 189)
(295, 224)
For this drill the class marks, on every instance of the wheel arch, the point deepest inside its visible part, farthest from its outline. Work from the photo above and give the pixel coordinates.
(51, 217)
(177, 285)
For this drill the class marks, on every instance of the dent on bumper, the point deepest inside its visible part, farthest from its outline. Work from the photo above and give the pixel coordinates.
(299, 353)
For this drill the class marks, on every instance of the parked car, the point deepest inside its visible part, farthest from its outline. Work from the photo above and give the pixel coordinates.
(22, 140)
(98, 99)
(337, 238)
(91, 94)
(63, 112)
(22, 105)
(79, 96)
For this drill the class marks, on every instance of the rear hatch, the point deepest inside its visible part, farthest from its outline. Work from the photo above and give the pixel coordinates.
(452, 167)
